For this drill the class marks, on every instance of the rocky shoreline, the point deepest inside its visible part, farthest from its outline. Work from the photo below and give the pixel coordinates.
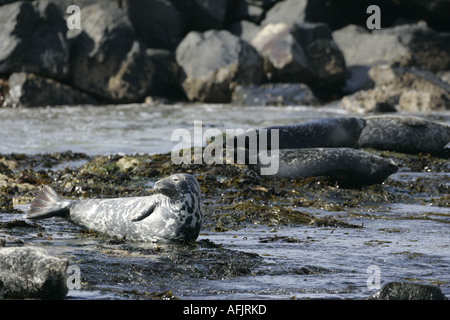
(244, 52)
(234, 197)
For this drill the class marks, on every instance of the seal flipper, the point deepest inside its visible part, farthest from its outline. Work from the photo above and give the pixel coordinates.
(143, 214)
(47, 204)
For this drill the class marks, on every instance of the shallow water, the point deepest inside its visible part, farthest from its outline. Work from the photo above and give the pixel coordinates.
(406, 241)
(138, 128)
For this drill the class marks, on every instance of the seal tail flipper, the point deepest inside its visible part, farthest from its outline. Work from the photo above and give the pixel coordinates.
(47, 204)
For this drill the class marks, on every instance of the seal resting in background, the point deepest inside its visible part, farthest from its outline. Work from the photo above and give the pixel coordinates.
(406, 134)
(350, 167)
(173, 214)
(324, 133)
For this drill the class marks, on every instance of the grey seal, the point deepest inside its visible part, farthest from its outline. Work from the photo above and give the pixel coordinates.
(406, 134)
(325, 133)
(350, 167)
(31, 273)
(173, 214)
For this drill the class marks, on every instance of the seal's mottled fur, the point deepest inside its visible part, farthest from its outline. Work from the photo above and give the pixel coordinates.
(173, 214)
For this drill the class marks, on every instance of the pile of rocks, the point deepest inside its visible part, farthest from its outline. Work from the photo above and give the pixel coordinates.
(260, 52)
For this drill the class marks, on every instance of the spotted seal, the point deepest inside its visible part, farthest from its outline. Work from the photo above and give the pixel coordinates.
(406, 134)
(173, 214)
(350, 167)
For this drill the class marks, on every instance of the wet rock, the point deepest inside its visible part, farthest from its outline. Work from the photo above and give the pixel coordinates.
(400, 89)
(215, 61)
(404, 134)
(32, 39)
(276, 94)
(156, 22)
(109, 60)
(301, 53)
(31, 90)
(31, 273)
(408, 291)
(202, 15)
(349, 167)
(405, 45)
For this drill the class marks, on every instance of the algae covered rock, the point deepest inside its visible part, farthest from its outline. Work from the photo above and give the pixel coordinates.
(31, 273)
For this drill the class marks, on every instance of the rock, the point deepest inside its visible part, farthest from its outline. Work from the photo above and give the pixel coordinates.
(435, 12)
(404, 134)
(1, 289)
(400, 46)
(31, 90)
(214, 62)
(165, 78)
(202, 15)
(32, 39)
(287, 11)
(444, 76)
(109, 60)
(301, 53)
(244, 29)
(274, 94)
(156, 22)
(408, 291)
(357, 79)
(266, 4)
(247, 11)
(30, 273)
(400, 89)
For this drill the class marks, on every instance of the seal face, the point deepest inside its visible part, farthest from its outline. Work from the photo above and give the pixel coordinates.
(173, 214)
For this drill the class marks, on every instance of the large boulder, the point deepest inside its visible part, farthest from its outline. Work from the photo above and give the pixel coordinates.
(405, 45)
(301, 53)
(32, 39)
(166, 74)
(400, 89)
(214, 62)
(108, 59)
(31, 273)
(156, 22)
(31, 90)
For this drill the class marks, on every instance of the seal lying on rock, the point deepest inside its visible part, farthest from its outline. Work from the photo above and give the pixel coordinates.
(405, 134)
(173, 214)
(326, 133)
(31, 273)
(350, 167)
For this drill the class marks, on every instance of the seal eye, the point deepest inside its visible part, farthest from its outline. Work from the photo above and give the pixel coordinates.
(175, 179)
